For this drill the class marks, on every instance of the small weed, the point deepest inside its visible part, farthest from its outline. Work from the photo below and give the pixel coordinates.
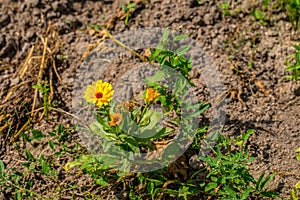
(199, 2)
(128, 9)
(36, 162)
(228, 174)
(44, 92)
(292, 9)
(295, 192)
(293, 64)
(259, 16)
(225, 8)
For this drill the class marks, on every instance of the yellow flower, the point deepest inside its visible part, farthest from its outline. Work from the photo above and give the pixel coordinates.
(99, 93)
(151, 95)
(115, 119)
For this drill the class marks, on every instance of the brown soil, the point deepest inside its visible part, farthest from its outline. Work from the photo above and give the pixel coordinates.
(260, 98)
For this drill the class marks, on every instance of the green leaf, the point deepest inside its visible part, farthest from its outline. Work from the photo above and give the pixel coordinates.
(292, 68)
(162, 133)
(246, 193)
(266, 181)
(150, 187)
(98, 129)
(258, 183)
(108, 159)
(132, 143)
(51, 144)
(182, 50)
(298, 154)
(293, 195)
(18, 195)
(29, 156)
(270, 194)
(197, 112)
(153, 117)
(180, 37)
(297, 186)
(2, 167)
(45, 166)
(210, 186)
(101, 182)
(165, 35)
(38, 135)
(180, 86)
(297, 47)
(230, 192)
(158, 76)
(171, 150)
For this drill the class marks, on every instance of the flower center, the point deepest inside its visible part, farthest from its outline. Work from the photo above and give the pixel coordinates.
(116, 118)
(99, 95)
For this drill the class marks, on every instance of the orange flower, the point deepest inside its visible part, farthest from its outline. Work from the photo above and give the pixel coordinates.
(151, 95)
(115, 119)
(99, 93)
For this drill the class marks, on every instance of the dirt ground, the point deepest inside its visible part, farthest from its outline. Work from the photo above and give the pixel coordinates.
(259, 97)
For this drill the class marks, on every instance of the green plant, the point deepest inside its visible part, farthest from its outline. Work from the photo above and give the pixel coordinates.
(39, 158)
(128, 9)
(295, 192)
(44, 92)
(199, 2)
(225, 8)
(133, 127)
(228, 174)
(293, 64)
(259, 16)
(292, 9)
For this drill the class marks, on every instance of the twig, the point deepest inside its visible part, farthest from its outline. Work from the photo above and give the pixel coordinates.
(20, 131)
(285, 173)
(126, 47)
(51, 94)
(2, 128)
(65, 112)
(27, 62)
(55, 70)
(40, 73)
(13, 88)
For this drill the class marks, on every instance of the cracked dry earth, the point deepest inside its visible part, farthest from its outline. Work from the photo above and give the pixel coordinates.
(258, 98)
